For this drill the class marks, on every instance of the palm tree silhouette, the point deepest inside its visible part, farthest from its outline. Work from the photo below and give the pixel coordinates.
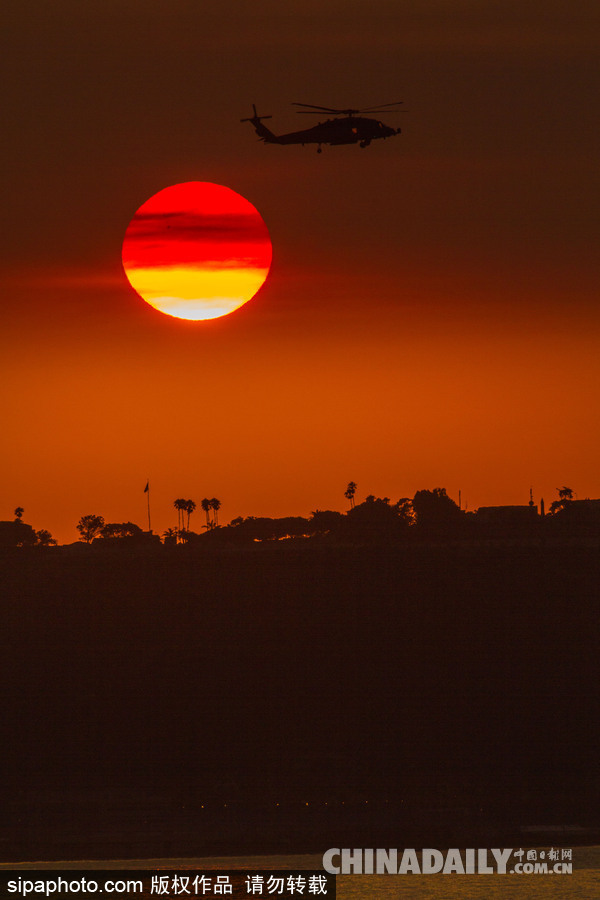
(190, 506)
(350, 492)
(215, 505)
(206, 506)
(171, 536)
(180, 506)
(19, 513)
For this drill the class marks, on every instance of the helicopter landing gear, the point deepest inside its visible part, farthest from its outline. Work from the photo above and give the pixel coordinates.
(319, 149)
(364, 144)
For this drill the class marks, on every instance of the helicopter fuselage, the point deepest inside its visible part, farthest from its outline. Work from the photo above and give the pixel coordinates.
(350, 130)
(346, 130)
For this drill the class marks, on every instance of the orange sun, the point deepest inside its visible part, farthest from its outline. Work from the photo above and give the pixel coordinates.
(196, 251)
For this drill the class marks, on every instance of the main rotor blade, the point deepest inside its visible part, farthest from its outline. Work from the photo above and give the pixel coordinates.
(319, 108)
(345, 112)
(381, 106)
(382, 110)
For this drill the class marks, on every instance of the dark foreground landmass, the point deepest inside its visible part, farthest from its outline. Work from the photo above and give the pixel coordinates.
(292, 697)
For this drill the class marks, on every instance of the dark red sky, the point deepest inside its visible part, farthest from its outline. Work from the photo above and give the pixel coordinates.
(431, 317)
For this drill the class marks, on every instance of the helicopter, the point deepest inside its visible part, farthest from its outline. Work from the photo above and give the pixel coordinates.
(349, 126)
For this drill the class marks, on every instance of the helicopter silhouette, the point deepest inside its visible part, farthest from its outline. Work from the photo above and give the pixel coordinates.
(349, 126)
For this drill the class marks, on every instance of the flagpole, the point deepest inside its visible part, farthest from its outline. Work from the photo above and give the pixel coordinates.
(148, 492)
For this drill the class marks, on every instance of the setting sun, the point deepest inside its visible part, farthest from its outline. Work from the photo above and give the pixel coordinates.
(196, 251)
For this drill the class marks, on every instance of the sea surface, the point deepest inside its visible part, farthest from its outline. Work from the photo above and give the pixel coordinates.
(582, 884)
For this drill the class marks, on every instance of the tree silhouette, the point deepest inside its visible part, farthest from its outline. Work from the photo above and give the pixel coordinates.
(17, 534)
(45, 539)
(120, 530)
(378, 519)
(406, 510)
(190, 506)
(565, 493)
(323, 521)
(255, 528)
(350, 492)
(180, 506)
(436, 511)
(19, 513)
(216, 506)
(206, 506)
(90, 527)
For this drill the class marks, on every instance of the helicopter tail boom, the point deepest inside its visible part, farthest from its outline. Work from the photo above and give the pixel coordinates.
(262, 131)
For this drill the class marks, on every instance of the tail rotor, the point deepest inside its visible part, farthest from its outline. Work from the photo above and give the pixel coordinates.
(255, 117)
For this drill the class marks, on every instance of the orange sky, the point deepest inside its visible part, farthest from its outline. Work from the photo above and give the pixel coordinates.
(431, 315)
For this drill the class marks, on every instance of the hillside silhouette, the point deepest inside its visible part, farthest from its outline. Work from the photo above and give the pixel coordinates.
(431, 515)
(298, 683)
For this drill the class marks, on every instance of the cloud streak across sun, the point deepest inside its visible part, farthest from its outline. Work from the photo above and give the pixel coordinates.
(197, 251)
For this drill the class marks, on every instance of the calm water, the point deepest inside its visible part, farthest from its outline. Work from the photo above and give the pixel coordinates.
(583, 884)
